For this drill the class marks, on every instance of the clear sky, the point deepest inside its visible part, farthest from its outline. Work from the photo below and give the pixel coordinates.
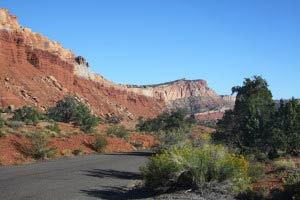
(154, 41)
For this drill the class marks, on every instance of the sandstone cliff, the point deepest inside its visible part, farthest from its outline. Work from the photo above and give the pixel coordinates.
(37, 71)
(193, 95)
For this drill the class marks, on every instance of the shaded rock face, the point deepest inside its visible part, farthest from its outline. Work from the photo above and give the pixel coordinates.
(81, 61)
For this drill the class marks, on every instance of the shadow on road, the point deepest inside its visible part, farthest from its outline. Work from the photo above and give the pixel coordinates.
(118, 193)
(137, 153)
(112, 193)
(99, 173)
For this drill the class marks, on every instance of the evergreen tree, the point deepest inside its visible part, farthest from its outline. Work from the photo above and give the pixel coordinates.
(286, 127)
(63, 110)
(246, 126)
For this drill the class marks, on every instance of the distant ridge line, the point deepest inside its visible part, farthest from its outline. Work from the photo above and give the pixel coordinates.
(165, 83)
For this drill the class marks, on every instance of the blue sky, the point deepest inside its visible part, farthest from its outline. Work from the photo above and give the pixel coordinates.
(153, 41)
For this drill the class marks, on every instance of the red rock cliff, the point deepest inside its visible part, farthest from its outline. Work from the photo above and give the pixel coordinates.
(36, 71)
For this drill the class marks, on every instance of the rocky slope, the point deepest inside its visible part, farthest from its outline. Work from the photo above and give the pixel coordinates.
(37, 71)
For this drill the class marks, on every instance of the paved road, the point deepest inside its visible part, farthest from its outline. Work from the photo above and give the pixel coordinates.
(87, 177)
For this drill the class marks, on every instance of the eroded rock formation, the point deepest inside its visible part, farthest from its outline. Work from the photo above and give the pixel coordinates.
(193, 95)
(37, 71)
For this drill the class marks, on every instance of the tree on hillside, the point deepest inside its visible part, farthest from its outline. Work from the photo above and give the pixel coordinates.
(83, 117)
(167, 121)
(63, 110)
(71, 110)
(286, 127)
(27, 114)
(246, 126)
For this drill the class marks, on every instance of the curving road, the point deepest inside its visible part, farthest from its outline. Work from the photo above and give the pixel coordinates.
(87, 177)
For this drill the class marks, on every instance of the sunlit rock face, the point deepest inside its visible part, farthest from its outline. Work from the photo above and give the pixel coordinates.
(193, 95)
(38, 72)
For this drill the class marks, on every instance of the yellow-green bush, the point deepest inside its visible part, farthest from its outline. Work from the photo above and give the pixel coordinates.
(38, 148)
(66, 153)
(256, 171)
(118, 131)
(99, 143)
(78, 152)
(192, 167)
(284, 164)
(3, 133)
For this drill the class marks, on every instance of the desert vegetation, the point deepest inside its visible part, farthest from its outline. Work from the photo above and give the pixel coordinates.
(71, 110)
(255, 141)
(27, 114)
(99, 143)
(167, 121)
(256, 126)
(67, 129)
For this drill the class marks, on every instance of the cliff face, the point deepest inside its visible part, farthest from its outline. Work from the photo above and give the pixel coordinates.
(38, 72)
(192, 95)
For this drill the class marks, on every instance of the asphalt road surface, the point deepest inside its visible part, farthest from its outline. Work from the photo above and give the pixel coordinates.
(87, 177)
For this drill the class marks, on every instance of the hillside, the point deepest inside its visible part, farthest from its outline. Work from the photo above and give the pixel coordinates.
(36, 71)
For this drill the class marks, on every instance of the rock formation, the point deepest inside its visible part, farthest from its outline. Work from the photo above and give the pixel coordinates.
(38, 72)
(193, 95)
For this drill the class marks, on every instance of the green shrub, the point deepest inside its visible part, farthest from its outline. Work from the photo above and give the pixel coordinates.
(71, 110)
(168, 139)
(201, 141)
(99, 143)
(66, 153)
(3, 133)
(118, 131)
(261, 156)
(39, 146)
(256, 124)
(292, 177)
(54, 127)
(1, 121)
(166, 122)
(63, 110)
(284, 164)
(15, 124)
(88, 123)
(256, 171)
(27, 114)
(192, 167)
(78, 152)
